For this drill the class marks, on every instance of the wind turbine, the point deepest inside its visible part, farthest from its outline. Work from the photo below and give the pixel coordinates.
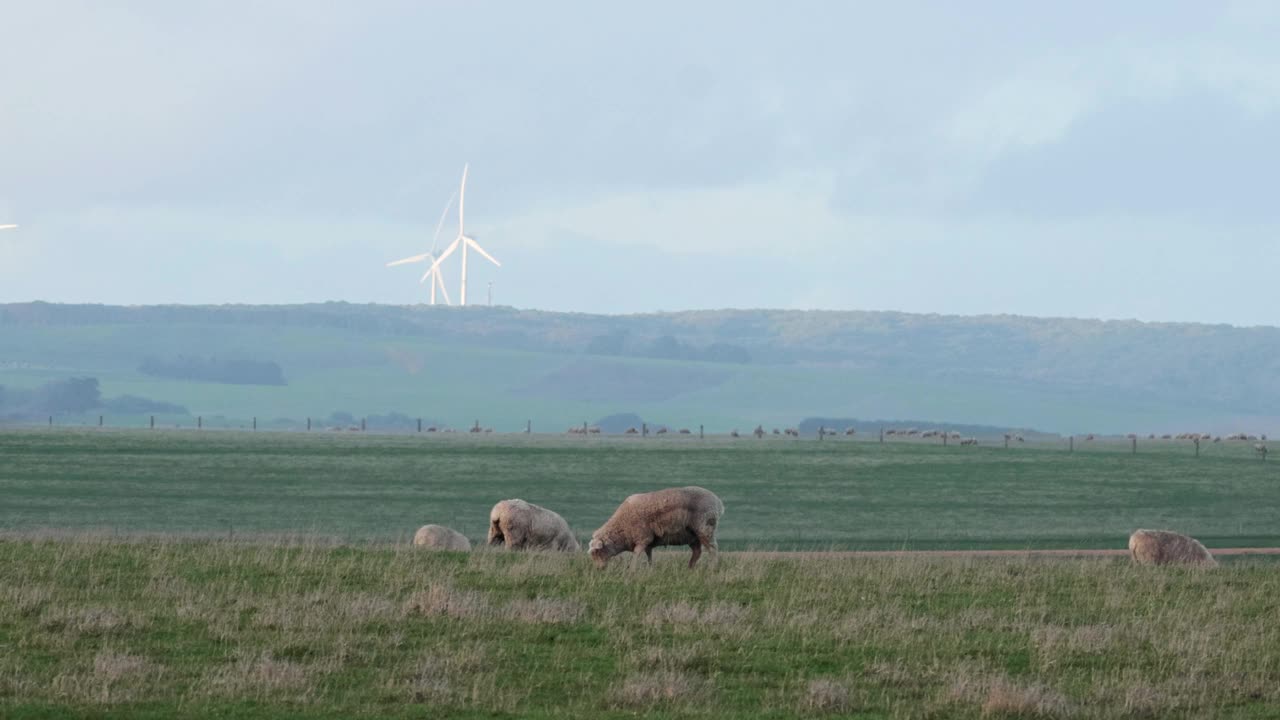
(437, 278)
(463, 240)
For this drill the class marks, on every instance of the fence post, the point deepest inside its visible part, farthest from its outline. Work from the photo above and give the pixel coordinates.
(944, 439)
(644, 429)
(362, 424)
(50, 421)
(584, 428)
(1006, 441)
(255, 422)
(1071, 444)
(1134, 443)
(1197, 447)
(99, 421)
(200, 422)
(153, 422)
(419, 424)
(528, 427)
(881, 436)
(308, 424)
(701, 432)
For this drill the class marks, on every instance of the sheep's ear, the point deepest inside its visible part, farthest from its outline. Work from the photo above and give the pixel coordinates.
(595, 545)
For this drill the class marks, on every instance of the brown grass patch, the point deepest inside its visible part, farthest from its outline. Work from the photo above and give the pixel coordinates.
(89, 621)
(687, 616)
(260, 676)
(544, 610)
(644, 690)
(444, 600)
(1000, 696)
(827, 696)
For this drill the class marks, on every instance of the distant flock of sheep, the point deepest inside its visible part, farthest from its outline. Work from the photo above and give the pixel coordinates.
(671, 517)
(690, 516)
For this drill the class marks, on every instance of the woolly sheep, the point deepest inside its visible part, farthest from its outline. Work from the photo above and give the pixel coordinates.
(439, 537)
(674, 516)
(521, 525)
(1162, 547)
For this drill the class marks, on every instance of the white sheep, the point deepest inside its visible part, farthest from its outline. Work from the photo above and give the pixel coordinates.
(520, 525)
(439, 537)
(675, 516)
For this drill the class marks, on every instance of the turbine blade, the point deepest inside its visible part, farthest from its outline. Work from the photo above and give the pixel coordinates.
(440, 279)
(440, 224)
(475, 246)
(447, 252)
(414, 259)
(7, 227)
(462, 196)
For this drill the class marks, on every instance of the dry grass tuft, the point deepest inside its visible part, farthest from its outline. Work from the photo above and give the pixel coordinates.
(444, 600)
(89, 621)
(686, 616)
(113, 667)
(1001, 696)
(545, 610)
(260, 676)
(645, 690)
(827, 696)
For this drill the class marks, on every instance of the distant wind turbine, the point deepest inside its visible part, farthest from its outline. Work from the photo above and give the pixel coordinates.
(463, 240)
(437, 278)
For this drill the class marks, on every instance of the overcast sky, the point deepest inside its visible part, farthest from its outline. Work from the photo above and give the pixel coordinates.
(1103, 159)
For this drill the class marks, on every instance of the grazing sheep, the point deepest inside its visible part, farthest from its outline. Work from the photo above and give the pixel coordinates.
(675, 516)
(969, 441)
(759, 432)
(776, 431)
(684, 431)
(850, 431)
(1162, 547)
(631, 431)
(439, 537)
(662, 431)
(520, 525)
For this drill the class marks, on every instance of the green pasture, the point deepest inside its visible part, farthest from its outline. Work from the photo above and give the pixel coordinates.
(164, 628)
(780, 493)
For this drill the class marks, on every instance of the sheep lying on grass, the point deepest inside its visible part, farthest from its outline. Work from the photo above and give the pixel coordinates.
(439, 537)
(1162, 547)
(675, 516)
(520, 525)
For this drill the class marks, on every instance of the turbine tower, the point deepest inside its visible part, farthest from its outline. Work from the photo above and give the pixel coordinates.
(437, 278)
(463, 240)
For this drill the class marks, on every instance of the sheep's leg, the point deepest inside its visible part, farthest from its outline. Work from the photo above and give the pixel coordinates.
(641, 548)
(707, 540)
(697, 552)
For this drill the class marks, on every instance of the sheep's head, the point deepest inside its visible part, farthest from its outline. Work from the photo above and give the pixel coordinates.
(600, 552)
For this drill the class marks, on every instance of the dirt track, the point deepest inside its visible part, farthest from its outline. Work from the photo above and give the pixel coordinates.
(984, 553)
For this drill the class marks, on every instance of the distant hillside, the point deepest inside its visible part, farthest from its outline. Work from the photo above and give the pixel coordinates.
(724, 368)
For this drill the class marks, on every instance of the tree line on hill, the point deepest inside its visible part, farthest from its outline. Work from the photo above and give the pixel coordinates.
(77, 395)
(231, 371)
(666, 347)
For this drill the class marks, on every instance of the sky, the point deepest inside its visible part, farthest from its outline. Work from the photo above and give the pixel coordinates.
(1091, 159)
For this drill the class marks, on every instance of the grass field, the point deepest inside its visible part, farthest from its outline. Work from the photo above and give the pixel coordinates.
(139, 578)
(779, 493)
(161, 628)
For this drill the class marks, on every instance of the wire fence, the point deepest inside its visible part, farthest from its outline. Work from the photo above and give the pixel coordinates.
(1193, 444)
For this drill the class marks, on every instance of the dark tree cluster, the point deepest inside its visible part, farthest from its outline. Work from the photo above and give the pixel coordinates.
(213, 369)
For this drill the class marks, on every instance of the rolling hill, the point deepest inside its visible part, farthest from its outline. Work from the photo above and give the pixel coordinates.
(722, 369)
